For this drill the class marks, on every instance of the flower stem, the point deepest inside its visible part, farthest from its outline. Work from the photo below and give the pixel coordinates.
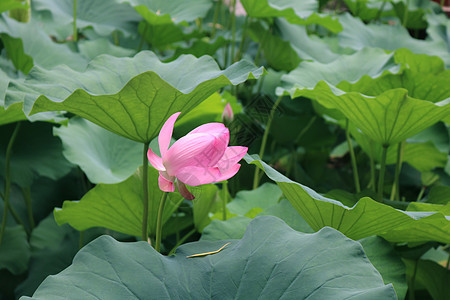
(216, 18)
(159, 221)
(145, 192)
(382, 171)
(27, 197)
(405, 14)
(144, 33)
(75, 31)
(372, 171)
(411, 288)
(395, 192)
(181, 241)
(353, 158)
(8, 179)
(264, 140)
(241, 45)
(233, 31)
(422, 190)
(224, 199)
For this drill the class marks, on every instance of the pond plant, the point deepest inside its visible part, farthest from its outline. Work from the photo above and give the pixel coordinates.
(212, 149)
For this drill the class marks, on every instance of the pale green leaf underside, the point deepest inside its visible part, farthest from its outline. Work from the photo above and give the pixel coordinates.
(103, 156)
(271, 261)
(357, 35)
(388, 118)
(103, 16)
(160, 12)
(296, 12)
(31, 46)
(367, 62)
(118, 206)
(132, 97)
(366, 218)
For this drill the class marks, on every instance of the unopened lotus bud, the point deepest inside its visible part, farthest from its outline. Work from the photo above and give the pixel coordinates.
(227, 115)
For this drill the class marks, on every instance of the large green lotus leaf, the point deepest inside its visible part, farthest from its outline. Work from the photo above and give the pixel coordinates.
(384, 258)
(434, 141)
(104, 16)
(278, 53)
(161, 35)
(263, 197)
(439, 194)
(6, 5)
(200, 47)
(416, 12)
(162, 12)
(412, 152)
(379, 252)
(357, 35)
(366, 218)
(14, 250)
(271, 261)
(208, 111)
(388, 118)
(434, 277)
(118, 206)
(93, 48)
(36, 152)
(296, 12)
(105, 157)
(27, 45)
(417, 206)
(132, 97)
(13, 113)
(367, 62)
(439, 28)
(423, 76)
(203, 204)
(368, 10)
(234, 228)
(305, 46)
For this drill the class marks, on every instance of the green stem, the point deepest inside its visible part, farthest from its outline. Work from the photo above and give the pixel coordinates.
(18, 219)
(159, 222)
(353, 158)
(380, 11)
(412, 282)
(27, 197)
(224, 199)
(144, 33)
(241, 45)
(422, 190)
(395, 192)
(305, 129)
(442, 3)
(216, 18)
(405, 15)
(233, 31)
(75, 31)
(183, 239)
(372, 172)
(8, 179)
(264, 140)
(382, 171)
(115, 35)
(145, 190)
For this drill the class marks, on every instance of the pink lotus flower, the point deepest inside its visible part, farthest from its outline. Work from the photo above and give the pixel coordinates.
(200, 157)
(227, 115)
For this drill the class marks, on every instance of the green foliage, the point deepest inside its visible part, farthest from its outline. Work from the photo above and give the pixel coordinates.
(246, 268)
(363, 114)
